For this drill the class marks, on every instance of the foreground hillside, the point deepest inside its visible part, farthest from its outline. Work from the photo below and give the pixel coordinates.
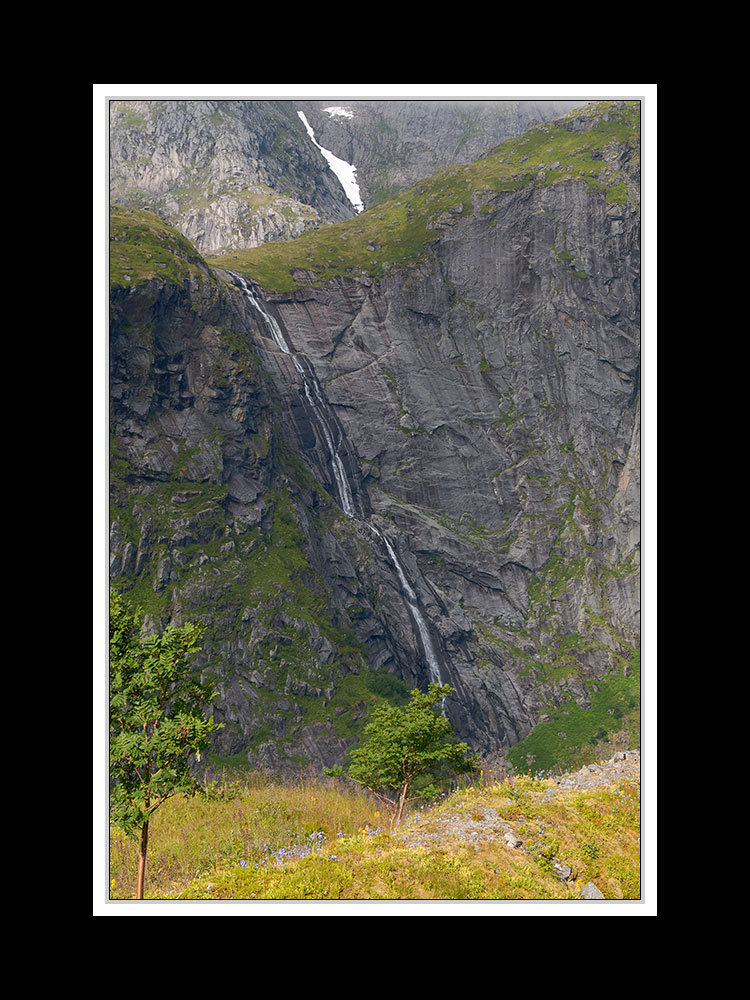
(570, 837)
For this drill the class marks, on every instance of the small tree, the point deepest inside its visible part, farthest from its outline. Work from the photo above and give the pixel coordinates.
(156, 720)
(401, 744)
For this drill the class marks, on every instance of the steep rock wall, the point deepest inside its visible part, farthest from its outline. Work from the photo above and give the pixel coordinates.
(489, 399)
(214, 517)
(492, 399)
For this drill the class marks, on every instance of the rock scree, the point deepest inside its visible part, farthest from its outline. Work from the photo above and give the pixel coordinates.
(484, 824)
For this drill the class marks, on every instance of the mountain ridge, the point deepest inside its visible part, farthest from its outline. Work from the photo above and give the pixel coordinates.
(237, 174)
(598, 145)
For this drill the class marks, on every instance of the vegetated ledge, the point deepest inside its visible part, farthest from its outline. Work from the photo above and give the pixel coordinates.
(143, 247)
(593, 146)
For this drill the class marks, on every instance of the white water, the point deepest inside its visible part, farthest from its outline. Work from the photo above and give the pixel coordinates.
(411, 599)
(319, 404)
(346, 172)
(334, 438)
(320, 407)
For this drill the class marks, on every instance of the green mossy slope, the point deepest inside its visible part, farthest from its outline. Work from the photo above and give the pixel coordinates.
(400, 231)
(143, 247)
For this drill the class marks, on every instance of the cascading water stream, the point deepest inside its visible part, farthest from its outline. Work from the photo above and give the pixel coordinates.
(314, 394)
(334, 439)
(411, 600)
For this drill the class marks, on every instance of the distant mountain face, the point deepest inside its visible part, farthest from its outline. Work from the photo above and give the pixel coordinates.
(236, 174)
(224, 173)
(395, 144)
(401, 446)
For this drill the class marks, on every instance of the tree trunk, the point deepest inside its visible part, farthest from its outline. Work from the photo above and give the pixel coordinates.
(401, 802)
(142, 861)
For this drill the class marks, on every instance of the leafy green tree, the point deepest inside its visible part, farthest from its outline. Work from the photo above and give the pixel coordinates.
(157, 720)
(402, 744)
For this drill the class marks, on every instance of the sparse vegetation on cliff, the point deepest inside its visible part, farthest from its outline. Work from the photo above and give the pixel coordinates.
(143, 247)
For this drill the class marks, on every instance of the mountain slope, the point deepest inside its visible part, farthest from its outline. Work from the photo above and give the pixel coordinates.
(572, 837)
(237, 174)
(225, 173)
(462, 363)
(396, 144)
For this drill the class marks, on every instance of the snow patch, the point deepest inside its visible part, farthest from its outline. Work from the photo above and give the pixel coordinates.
(341, 112)
(346, 172)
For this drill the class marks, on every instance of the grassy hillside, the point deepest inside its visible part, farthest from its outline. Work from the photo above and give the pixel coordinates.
(323, 840)
(573, 735)
(400, 230)
(143, 246)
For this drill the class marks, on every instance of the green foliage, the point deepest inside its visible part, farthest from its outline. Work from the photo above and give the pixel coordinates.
(156, 717)
(576, 735)
(402, 744)
(354, 696)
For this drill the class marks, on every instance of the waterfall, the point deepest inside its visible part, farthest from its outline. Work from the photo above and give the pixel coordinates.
(416, 614)
(334, 439)
(325, 419)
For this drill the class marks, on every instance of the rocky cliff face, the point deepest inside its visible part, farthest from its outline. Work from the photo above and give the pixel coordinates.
(227, 174)
(364, 483)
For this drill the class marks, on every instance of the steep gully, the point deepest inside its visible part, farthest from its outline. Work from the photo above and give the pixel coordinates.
(332, 433)
(345, 172)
